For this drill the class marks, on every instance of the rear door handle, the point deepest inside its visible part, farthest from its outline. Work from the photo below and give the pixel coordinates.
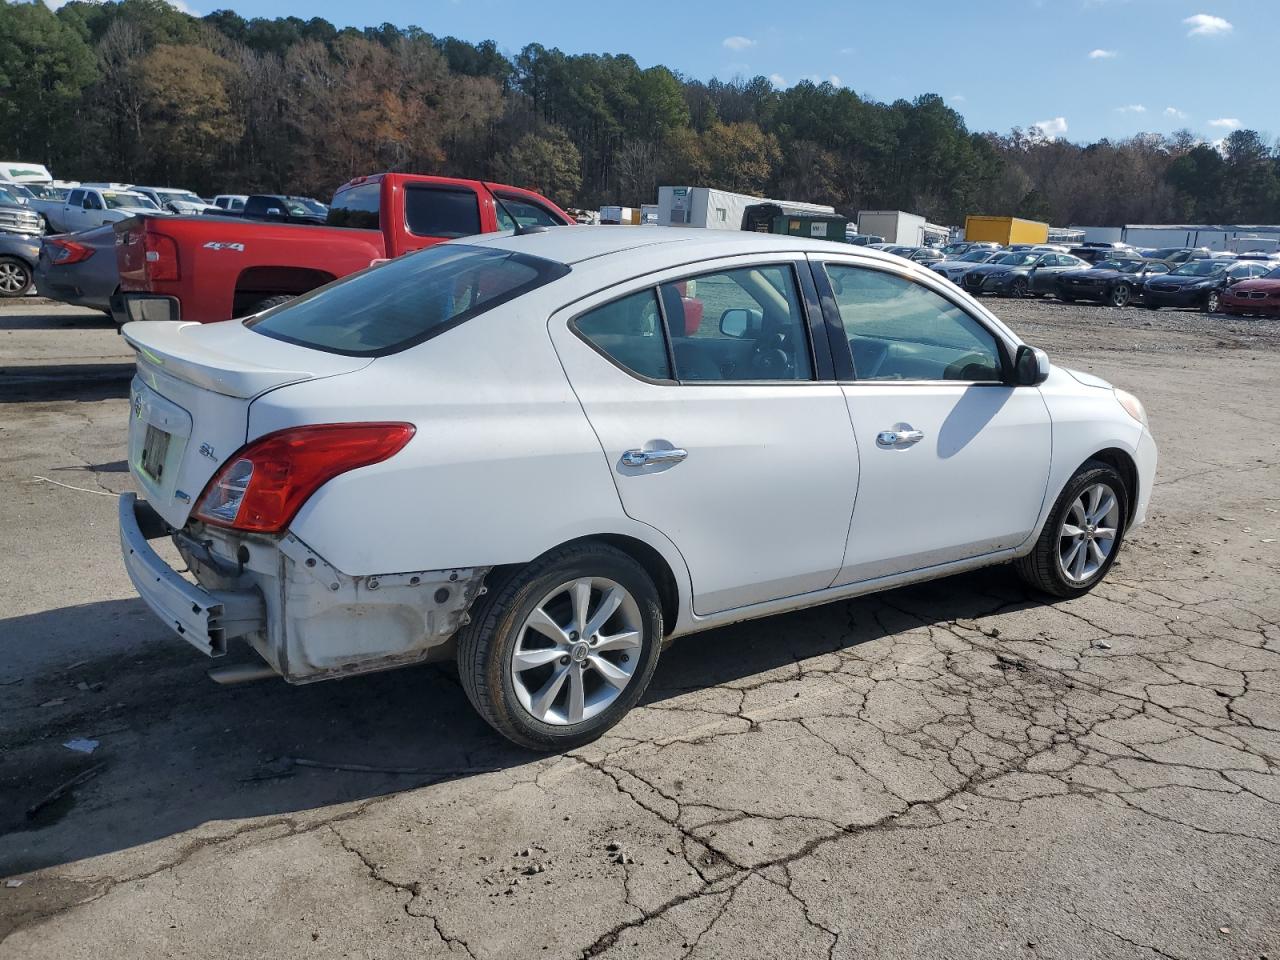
(645, 458)
(903, 435)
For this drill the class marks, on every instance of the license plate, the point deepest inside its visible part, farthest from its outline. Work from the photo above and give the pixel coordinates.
(155, 445)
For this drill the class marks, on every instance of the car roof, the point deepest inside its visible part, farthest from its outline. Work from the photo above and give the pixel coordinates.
(572, 245)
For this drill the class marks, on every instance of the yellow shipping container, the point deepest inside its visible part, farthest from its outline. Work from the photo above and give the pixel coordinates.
(1005, 230)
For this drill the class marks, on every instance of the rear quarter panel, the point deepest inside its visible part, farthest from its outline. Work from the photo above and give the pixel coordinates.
(503, 467)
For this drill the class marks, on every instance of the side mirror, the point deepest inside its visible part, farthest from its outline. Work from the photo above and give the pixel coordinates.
(740, 323)
(1030, 367)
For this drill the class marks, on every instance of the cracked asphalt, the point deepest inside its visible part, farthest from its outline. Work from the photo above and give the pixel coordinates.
(952, 770)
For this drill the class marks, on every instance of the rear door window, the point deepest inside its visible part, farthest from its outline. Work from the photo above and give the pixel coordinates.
(403, 302)
(437, 212)
(356, 207)
(629, 332)
(516, 212)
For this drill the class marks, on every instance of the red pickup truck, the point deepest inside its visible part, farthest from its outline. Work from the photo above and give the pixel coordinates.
(207, 268)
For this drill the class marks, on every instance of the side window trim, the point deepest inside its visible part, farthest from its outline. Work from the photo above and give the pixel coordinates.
(815, 315)
(844, 358)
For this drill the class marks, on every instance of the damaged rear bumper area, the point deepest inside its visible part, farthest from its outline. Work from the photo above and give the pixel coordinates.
(308, 620)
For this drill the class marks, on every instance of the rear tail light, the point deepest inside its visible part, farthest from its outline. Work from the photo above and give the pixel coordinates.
(161, 257)
(68, 251)
(262, 487)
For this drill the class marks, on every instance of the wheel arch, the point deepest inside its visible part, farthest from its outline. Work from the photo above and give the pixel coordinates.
(649, 558)
(1123, 463)
(257, 283)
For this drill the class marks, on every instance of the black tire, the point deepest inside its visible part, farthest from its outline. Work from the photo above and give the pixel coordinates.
(15, 277)
(487, 642)
(1066, 298)
(269, 302)
(1212, 300)
(1041, 569)
(1019, 288)
(1119, 295)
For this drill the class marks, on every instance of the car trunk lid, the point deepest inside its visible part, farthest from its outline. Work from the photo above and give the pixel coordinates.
(190, 401)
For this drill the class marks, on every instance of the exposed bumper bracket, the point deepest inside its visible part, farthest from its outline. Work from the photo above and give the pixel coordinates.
(205, 619)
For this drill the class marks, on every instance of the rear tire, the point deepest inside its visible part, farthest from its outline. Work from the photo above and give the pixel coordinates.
(1066, 563)
(15, 277)
(538, 667)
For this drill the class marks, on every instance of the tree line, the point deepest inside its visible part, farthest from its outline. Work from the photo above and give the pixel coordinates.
(136, 91)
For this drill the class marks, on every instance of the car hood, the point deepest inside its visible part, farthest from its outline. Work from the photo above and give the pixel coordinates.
(997, 268)
(1088, 379)
(1183, 281)
(1258, 283)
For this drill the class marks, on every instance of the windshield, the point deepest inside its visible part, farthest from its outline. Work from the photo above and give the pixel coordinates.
(1273, 275)
(1199, 268)
(297, 208)
(9, 198)
(975, 256)
(49, 193)
(120, 201)
(397, 304)
(1164, 253)
(315, 206)
(1123, 266)
(1018, 259)
(181, 196)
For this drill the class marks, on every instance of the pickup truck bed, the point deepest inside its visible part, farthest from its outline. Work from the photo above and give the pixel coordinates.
(209, 268)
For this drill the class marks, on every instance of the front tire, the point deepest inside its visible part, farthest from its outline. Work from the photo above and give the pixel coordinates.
(1211, 301)
(1119, 295)
(1019, 288)
(1082, 537)
(559, 651)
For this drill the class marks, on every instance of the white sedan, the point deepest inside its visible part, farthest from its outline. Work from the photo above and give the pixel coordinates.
(547, 454)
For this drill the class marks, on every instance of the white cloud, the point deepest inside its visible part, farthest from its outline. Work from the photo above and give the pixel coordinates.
(1101, 54)
(1175, 113)
(1132, 108)
(738, 43)
(846, 51)
(1053, 129)
(1207, 25)
(834, 81)
(1225, 123)
(957, 98)
(777, 80)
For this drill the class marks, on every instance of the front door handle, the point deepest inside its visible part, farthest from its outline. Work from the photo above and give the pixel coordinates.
(645, 458)
(902, 435)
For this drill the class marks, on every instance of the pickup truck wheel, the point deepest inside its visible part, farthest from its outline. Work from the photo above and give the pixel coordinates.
(269, 302)
(15, 277)
(557, 653)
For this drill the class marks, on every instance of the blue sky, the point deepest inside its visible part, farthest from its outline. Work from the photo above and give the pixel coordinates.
(1088, 68)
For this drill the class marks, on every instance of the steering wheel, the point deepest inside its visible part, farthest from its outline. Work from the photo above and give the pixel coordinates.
(770, 360)
(972, 366)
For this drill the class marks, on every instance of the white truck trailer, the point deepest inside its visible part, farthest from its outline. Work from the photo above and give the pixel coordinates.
(717, 209)
(895, 226)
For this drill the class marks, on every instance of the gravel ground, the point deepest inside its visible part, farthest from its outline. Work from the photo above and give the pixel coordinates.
(955, 770)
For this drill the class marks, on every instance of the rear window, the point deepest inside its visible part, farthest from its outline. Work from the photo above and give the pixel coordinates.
(395, 305)
(433, 212)
(356, 207)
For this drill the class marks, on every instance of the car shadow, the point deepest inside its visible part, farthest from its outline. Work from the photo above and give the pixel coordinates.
(176, 751)
(80, 318)
(69, 381)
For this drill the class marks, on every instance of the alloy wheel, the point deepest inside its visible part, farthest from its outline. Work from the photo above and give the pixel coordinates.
(577, 651)
(1211, 302)
(1088, 532)
(1120, 295)
(1018, 287)
(14, 278)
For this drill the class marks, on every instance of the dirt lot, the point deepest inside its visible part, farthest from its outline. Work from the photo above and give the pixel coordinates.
(953, 770)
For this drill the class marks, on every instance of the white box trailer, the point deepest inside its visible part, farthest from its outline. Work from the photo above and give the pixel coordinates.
(717, 209)
(895, 226)
(1215, 236)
